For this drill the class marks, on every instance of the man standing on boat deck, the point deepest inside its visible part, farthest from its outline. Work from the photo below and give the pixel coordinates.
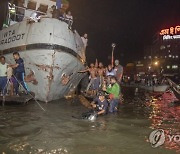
(114, 94)
(19, 72)
(3, 75)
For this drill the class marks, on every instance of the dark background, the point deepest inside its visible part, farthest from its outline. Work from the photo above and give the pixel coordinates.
(131, 24)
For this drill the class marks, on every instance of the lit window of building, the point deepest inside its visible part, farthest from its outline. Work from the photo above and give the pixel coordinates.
(169, 51)
(149, 57)
(170, 56)
(162, 47)
(168, 67)
(174, 67)
(177, 56)
(144, 57)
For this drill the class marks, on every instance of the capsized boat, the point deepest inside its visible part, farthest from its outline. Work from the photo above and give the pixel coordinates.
(52, 53)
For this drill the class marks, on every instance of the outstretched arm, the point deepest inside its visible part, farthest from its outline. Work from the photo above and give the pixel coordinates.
(83, 71)
(101, 112)
(13, 65)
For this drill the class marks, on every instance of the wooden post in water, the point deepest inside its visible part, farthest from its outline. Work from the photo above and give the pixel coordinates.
(85, 102)
(3, 102)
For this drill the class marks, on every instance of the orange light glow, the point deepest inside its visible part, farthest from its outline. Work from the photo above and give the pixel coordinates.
(177, 29)
(172, 31)
(164, 32)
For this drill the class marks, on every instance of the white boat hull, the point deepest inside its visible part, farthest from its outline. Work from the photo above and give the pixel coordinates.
(48, 53)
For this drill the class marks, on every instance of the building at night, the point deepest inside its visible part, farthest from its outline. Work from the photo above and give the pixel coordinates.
(164, 54)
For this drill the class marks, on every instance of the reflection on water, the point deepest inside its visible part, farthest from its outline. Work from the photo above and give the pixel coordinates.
(166, 115)
(27, 129)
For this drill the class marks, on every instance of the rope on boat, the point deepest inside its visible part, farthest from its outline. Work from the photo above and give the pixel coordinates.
(30, 94)
(27, 93)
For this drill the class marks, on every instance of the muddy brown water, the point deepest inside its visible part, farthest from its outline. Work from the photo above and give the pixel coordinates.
(26, 129)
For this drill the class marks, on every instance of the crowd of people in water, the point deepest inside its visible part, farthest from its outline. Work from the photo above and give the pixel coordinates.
(104, 86)
(12, 75)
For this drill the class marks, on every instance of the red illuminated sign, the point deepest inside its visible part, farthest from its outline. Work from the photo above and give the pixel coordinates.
(170, 31)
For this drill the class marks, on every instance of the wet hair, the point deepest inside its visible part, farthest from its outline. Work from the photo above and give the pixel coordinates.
(2, 57)
(53, 6)
(16, 53)
(101, 63)
(101, 93)
(113, 78)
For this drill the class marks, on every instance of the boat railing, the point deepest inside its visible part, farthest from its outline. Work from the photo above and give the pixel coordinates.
(18, 14)
(174, 86)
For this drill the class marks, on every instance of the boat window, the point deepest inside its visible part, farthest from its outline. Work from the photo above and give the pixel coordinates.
(32, 5)
(43, 8)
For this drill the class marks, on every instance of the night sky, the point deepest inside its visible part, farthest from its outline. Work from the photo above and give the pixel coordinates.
(131, 24)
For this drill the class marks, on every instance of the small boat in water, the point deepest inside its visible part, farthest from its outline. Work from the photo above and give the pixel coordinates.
(155, 88)
(21, 98)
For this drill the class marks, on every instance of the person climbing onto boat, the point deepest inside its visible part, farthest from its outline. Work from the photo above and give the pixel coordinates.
(19, 73)
(114, 94)
(3, 75)
(93, 84)
(100, 103)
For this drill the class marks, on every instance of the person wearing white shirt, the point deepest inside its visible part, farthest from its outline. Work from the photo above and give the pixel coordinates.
(85, 40)
(69, 19)
(3, 75)
(85, 43)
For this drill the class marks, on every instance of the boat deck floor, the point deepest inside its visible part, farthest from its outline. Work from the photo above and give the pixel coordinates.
(22, 98)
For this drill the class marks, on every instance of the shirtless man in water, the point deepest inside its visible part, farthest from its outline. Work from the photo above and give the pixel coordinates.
(101, 72)
(93, 78)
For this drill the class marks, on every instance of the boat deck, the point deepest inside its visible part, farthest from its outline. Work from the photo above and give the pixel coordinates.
(22, 98)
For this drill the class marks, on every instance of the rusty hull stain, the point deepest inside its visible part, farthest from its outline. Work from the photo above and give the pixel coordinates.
(47, 67)
(51, 76)
(31, 78)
